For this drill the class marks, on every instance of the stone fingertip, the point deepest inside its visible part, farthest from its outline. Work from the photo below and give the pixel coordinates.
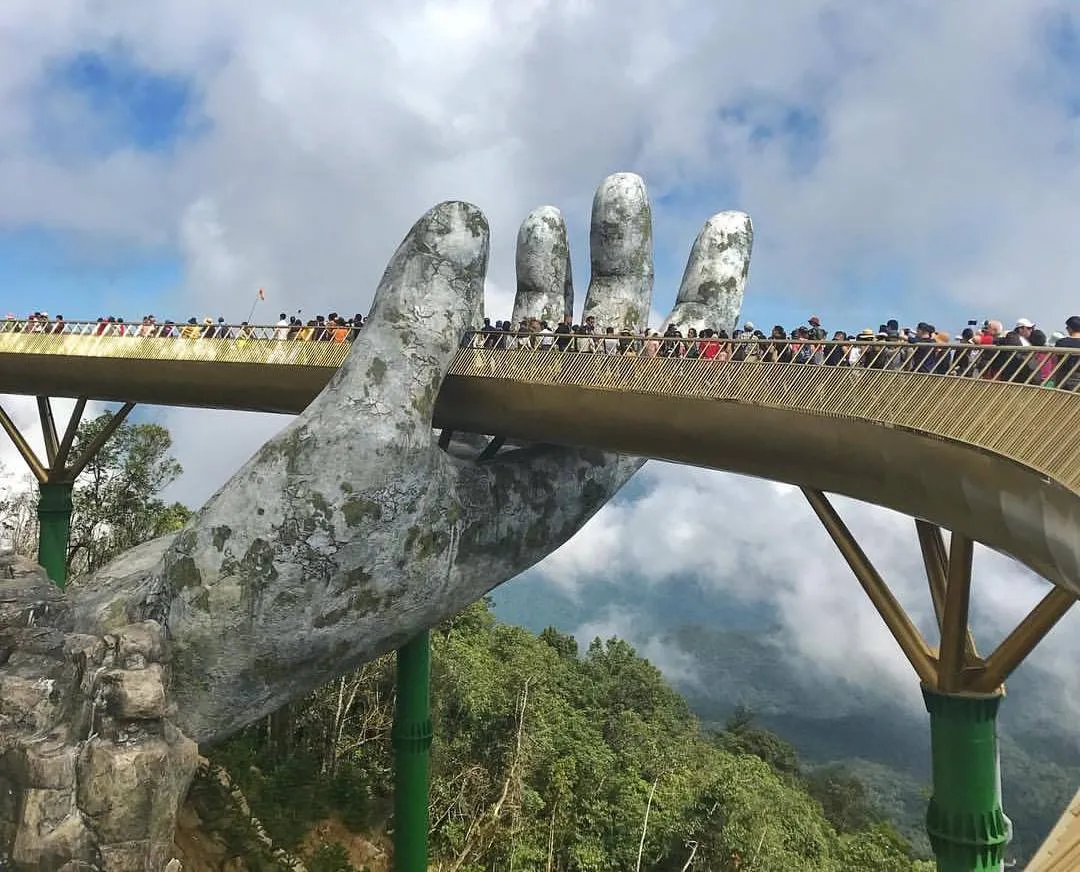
(542, 260)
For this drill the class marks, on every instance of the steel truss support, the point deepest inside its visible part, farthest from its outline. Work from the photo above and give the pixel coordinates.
(967, 826)
(56, 476)
(905, 632)
(1021, 641)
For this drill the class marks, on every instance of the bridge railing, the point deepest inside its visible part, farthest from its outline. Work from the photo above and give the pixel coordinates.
(322, 347)
(967, 401)
(206, 329)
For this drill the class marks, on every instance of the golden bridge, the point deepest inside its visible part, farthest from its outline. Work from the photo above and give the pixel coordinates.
(993, 461)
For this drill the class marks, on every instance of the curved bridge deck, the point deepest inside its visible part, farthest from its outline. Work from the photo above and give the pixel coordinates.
(997, 461)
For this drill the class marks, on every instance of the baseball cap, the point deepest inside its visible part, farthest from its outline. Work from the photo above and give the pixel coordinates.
(1024, 322)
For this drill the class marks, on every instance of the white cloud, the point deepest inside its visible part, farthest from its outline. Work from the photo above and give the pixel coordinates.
(760, 542)
(945, 138)
(23, 412)
(675, 663)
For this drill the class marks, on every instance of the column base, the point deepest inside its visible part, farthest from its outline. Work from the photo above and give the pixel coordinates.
(965, 821)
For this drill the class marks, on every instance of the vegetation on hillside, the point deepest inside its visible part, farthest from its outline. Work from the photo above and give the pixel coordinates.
(544, 759)
(737, 655)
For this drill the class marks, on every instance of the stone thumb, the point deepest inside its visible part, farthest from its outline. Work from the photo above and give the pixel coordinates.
(431, 293)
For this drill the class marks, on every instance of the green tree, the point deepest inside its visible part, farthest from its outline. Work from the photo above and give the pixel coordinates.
(843, 797)
(546, 760)
(564, 644)
(741, 735)
(18, 519)
(117, 502)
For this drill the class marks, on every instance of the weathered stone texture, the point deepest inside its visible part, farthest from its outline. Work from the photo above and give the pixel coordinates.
(339, 540)
(621, 249)
(713, 284)
(91, 770)
(544, 279)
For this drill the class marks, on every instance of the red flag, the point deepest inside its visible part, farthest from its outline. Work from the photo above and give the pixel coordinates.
(262, 296)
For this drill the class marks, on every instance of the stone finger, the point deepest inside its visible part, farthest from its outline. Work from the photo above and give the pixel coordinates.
(620, 287)
(714, 282)
(431, 293)
(544, 284)
(276, 582)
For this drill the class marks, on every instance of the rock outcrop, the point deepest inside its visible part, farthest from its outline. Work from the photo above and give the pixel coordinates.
(92, 768)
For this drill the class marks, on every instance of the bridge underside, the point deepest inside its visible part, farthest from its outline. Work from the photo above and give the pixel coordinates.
(204, 384)
(991, 499)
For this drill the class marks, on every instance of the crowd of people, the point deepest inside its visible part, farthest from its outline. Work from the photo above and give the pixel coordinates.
(1025, 354)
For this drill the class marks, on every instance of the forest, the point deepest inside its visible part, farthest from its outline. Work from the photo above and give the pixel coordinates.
(547, 758)
(548, 754)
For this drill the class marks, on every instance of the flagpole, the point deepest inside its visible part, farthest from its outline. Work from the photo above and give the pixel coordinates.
(258, 296)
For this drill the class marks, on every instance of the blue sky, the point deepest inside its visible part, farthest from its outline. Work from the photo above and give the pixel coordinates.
(93, 105)
(133, 108)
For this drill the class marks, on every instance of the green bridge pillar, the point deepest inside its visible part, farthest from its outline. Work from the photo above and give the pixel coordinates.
(966, 823)
(54, 529)
(411, 738)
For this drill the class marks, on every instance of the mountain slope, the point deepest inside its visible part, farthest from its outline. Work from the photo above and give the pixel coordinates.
(722, 653)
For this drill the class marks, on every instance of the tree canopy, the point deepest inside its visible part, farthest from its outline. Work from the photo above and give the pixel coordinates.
(544, 759)
(117, 498)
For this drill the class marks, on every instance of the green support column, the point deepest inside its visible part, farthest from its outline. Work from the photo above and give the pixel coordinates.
(966, 823)
(411, 737)
(54, 530)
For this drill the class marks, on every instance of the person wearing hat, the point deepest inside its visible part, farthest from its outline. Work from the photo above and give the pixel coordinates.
(1023, 330)
(858, 355)
(925, 358)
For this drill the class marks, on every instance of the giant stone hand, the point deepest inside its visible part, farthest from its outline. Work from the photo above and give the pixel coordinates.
(352, 529)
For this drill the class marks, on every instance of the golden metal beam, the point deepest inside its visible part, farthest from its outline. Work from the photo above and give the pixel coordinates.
(896, 619)
(954, 625)
(48, 430)
(933, 553)
(1021, 641)
(1060, 850)
(932, 545)
(69, 434)
(36, 466)
(95, 445)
